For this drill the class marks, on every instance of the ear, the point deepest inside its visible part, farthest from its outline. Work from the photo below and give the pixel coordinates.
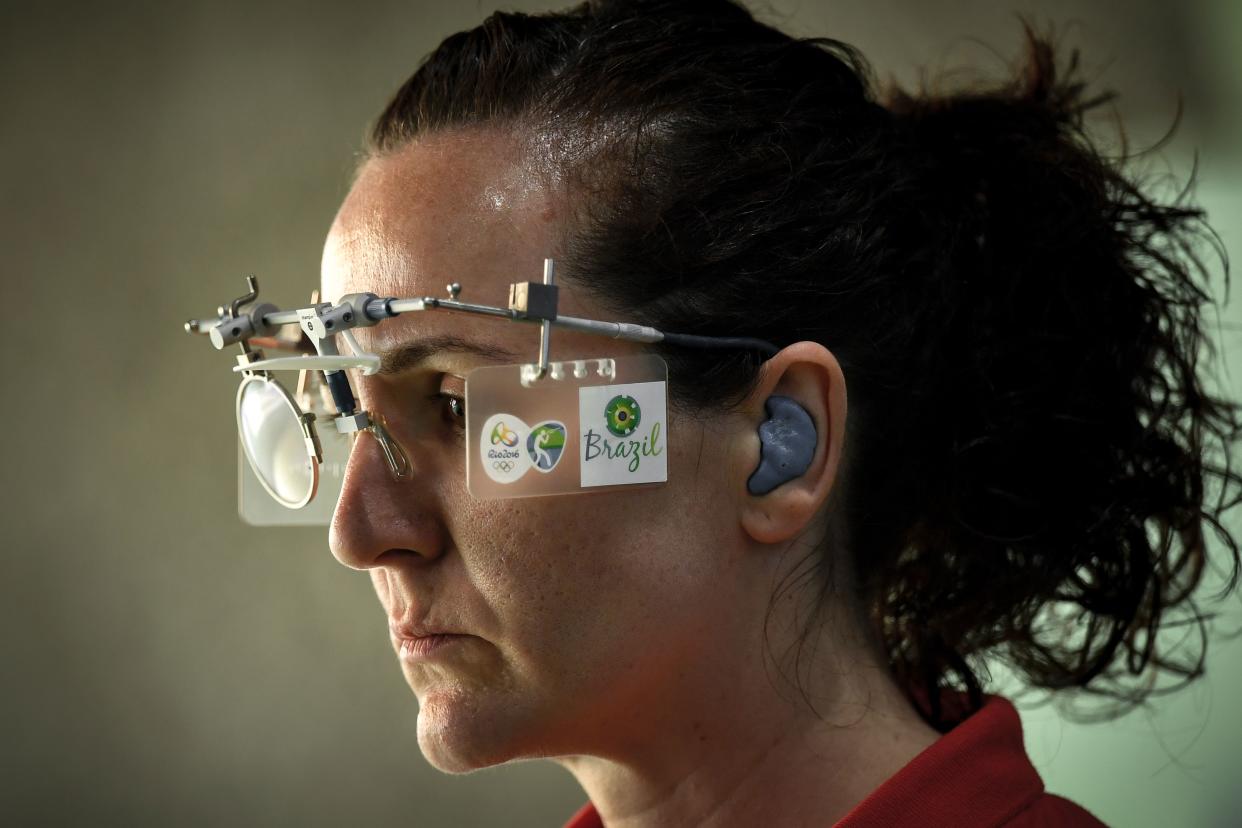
(808, 373)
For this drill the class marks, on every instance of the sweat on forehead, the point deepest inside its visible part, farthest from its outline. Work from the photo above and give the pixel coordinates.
(464, 205)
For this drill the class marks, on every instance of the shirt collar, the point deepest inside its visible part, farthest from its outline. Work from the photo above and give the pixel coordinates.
(976, 774)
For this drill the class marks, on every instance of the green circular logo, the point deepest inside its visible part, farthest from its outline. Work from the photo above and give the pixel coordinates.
(622, 415)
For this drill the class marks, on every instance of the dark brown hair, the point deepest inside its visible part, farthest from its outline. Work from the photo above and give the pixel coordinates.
(1030, 446)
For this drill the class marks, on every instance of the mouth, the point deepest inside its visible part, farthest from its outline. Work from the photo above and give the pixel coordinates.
(418, 642)
(426, 646)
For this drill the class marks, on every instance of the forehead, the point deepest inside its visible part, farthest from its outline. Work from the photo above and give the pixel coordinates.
(465, 206)
(436, 209)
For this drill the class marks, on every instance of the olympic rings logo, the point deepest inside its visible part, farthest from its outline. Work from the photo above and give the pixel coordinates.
(505, 466)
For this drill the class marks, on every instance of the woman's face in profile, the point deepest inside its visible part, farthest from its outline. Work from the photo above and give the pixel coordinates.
(586, 617)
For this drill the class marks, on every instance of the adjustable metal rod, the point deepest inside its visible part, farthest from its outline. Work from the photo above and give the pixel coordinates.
(545, 328)
(388, 308)
(377, 309)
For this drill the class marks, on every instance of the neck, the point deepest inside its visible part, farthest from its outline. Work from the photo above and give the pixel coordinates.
(729, 748)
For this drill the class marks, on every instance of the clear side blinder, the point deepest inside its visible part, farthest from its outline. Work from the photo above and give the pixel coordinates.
(585, 425)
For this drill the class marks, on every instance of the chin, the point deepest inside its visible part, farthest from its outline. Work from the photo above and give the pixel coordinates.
(457, 735)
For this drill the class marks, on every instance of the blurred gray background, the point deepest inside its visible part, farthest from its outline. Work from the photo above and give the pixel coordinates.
(163, 663)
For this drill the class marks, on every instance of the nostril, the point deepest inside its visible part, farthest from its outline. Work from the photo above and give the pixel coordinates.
(408, 557)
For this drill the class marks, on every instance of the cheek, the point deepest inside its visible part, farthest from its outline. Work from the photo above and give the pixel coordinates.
(573, 577)
(600, 552)
(571, 583)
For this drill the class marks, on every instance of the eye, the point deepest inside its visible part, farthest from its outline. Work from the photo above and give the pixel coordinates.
(454, 409)
(458, 407)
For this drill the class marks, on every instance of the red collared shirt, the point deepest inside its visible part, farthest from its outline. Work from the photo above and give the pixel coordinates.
(977, 774)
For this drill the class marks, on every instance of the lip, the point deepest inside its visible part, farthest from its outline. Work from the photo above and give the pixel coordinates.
(424, 647)
(415, 642)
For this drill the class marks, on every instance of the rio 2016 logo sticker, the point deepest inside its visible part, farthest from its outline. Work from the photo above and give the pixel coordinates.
(623, 433)
(500, 449)
(502, 434)
(546, 445)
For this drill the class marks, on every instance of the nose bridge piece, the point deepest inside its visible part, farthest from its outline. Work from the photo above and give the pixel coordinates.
(394, 453)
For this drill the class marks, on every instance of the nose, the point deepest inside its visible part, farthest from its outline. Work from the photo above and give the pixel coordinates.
(378, 517)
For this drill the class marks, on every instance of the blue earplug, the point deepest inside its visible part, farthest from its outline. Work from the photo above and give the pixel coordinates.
(787, 445)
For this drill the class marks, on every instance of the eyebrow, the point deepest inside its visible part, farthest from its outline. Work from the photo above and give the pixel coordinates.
(412, 354)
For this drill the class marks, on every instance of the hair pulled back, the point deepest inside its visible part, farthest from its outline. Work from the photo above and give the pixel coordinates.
(1030, 448)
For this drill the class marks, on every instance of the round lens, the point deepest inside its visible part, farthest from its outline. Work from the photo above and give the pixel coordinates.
(271, 434)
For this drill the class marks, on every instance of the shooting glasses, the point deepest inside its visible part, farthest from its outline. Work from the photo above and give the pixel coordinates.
(534, 429)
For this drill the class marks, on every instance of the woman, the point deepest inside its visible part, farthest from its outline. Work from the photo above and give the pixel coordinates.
(993, 332)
